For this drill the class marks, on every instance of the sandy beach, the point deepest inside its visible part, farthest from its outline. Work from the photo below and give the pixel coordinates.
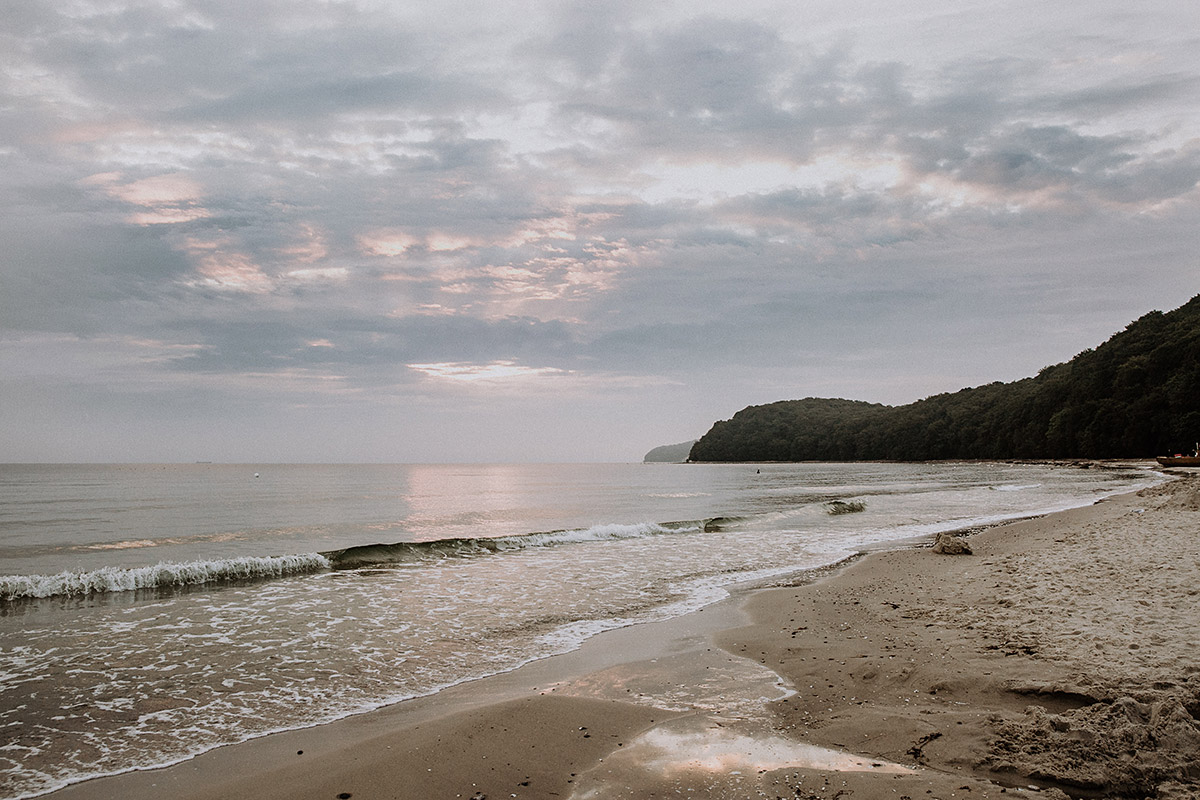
(1061, 655)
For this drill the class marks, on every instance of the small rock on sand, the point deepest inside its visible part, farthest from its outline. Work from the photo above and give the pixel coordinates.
(951, 545)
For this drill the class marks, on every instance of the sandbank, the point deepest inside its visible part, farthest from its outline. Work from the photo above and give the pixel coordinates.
(1062, 656)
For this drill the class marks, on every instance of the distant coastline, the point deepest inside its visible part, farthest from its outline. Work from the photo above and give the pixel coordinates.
(670, 453)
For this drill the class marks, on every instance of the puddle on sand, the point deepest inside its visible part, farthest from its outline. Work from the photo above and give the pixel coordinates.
(724, 740)
(699, 752)
(718, 749)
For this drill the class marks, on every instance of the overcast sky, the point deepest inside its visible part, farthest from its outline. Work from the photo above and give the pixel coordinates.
(302, 230)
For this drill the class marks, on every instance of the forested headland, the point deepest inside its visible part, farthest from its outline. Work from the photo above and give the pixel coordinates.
(1135, 396)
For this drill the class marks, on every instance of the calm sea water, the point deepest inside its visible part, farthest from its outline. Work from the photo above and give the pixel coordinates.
(151, 612)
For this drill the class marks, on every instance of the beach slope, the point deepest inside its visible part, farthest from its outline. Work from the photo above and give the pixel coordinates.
(1062, 654)
(1059, 658)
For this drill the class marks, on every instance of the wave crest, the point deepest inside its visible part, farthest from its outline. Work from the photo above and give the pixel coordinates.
(196, 573)
(191, 573)
(405, 552)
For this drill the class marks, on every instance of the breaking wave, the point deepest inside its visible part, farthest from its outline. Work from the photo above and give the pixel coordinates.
(191, 573)
(247, 568)
(406, 552)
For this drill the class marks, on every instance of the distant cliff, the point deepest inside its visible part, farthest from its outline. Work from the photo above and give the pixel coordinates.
(1135, 396)
(670, 453)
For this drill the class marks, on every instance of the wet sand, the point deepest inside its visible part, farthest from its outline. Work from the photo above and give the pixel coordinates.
(1062, 655)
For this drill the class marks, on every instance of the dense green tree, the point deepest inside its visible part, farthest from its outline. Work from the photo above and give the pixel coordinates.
(1136, 395)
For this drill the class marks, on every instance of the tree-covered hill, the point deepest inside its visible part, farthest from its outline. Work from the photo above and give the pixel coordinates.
(1137, 395)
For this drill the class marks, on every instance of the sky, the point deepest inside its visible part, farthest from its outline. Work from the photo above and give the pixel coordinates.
(542, 230)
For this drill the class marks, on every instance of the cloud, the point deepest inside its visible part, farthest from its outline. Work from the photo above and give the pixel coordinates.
(368, 350)
(368, 203)
(458, 371)
(160, 199)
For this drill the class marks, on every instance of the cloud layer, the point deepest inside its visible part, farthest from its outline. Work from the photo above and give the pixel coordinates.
(326, 231)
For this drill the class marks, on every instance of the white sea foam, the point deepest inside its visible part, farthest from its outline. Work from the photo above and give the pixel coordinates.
(191, 573)
(601, 533)
(472, 598)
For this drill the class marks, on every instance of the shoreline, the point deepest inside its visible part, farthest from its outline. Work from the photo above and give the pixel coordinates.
(1059, 657)
(695, 703)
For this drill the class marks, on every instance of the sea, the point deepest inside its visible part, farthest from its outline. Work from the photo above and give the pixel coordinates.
(149, 613)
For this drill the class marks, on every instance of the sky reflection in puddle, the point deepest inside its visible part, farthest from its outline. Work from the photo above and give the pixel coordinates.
(718, 749)
(725, 739)
(698, 752)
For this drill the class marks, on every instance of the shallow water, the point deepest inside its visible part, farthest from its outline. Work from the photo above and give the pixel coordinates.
(459, 571)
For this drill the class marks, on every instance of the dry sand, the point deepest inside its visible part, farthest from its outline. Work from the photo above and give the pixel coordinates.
(1062, 655)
